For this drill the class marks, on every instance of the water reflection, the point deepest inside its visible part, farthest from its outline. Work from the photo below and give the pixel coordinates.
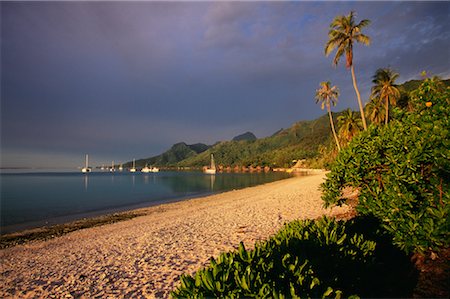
(86, 182)
(35, 197)
(212, 180)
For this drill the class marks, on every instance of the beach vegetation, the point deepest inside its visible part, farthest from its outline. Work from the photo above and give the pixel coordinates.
(322, 258)
(385, 89)
(327, 95)
(350, 125)
(343, 33)
(375, 111)
(402, 171)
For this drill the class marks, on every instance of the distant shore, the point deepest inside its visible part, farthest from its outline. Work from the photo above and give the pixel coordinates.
(144, 256)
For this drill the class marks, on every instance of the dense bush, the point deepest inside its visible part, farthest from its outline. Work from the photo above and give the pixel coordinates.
(322, 258)
(402, 171)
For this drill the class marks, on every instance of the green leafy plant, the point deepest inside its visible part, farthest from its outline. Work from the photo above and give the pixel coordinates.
(322, 258)
(402, 171)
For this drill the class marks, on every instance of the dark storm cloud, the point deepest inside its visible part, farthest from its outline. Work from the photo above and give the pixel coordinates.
(122, 80)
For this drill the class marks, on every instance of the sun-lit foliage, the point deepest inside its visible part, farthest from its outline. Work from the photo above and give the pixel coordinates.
(402, 171)
(385, 89)
(343, 33)
(327, 95)
(350, 125)
(321, 258)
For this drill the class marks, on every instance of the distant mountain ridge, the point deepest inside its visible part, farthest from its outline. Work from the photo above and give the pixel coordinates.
(301, 141)
(249, 136)
(178, 152)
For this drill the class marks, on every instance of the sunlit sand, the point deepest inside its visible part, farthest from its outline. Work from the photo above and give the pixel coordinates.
(144, 257)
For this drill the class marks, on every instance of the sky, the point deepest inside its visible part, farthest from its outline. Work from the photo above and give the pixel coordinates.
(123, 80)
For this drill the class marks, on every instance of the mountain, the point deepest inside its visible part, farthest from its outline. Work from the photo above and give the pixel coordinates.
(300, 141)
(178, 152)
(249, 136)
(411, 85)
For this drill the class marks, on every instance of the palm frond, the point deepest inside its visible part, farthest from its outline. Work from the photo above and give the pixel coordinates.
(363, 23)
(362, 39)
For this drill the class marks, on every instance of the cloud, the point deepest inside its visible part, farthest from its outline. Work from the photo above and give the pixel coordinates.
(132, 78)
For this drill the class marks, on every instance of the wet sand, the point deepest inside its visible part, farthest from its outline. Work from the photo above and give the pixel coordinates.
(143, 257)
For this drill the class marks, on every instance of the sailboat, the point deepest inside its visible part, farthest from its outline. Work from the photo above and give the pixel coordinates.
(86, 168)
(212, 168)
(112, 169)
(145, 169)
(154, 169)
(134, 166)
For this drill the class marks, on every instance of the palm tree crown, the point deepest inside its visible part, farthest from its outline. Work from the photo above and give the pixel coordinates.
(343, 33)
(385, 88)
(375, 110)
(349, 125)
(328, 95)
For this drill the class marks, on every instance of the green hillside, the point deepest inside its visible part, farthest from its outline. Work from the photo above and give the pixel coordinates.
(411, 85)
(297, 142)
(175, 154)
(300, 141)
(249, 136)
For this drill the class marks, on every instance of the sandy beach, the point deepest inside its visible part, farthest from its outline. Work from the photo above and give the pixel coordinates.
(143, 257)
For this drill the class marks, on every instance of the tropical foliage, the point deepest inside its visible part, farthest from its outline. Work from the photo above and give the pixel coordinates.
(328, 95)
(344, 32)
(375, 110)
(402, 171)
(313, 259)
(300, 141)
(350, 125)
(385, 89)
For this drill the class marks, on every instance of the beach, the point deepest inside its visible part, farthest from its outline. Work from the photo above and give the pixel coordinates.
(143, 257)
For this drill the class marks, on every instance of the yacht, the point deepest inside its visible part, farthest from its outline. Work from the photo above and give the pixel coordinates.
(86, 168)
(212, 168)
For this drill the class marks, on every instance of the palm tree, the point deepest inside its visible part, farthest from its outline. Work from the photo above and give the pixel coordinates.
(343, 33)
(328, 96)
(385, 88)
(349, 125)
(374, 110)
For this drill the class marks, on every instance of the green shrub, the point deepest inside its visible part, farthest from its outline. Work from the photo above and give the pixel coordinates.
(402, 171)
(322, 258)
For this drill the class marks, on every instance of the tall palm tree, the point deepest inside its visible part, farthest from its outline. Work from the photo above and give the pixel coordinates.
(343, 33)
(349, 125)
(385, 88)
(375, 110)
(328, 95)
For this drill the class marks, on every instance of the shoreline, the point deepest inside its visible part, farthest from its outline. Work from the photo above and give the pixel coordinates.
(120, 206)
(144, 256)
(55, 224)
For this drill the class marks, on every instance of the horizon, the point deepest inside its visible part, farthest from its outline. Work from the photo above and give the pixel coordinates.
(121, 80)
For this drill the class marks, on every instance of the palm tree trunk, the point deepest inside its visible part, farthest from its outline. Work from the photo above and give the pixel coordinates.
(359, 98)
(387, 111)
(332, 128)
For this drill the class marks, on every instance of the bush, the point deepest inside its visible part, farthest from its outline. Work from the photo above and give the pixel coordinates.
(403, 171)
(322, 258)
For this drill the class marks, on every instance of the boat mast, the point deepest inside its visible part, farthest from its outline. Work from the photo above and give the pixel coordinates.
(213, 164)
(87, 160)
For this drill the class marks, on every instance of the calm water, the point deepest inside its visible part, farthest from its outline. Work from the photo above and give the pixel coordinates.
(37, 199)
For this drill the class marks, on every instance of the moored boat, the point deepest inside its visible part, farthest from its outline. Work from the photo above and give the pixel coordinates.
(86, 168)
(212, 168)
(133, 169)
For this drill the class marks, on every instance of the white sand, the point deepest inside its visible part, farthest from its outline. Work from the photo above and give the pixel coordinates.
(143, 257)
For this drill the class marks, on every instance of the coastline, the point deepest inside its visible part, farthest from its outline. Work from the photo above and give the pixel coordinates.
(144, 256)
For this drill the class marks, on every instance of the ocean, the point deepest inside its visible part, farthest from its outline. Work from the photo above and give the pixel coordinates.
(41, 198)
